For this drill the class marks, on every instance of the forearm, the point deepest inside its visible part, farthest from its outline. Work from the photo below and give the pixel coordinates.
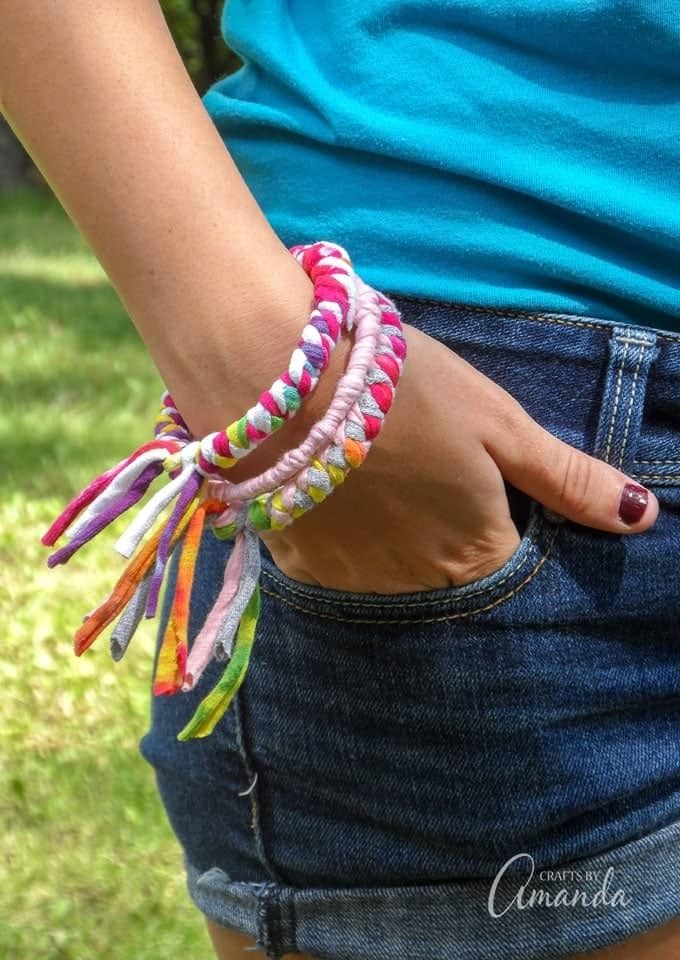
(100, 98)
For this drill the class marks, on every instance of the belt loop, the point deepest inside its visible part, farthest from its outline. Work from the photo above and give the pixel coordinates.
(632, 350)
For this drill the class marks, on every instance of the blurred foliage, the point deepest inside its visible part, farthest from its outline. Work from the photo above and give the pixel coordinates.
(88, 865)
(195, 26)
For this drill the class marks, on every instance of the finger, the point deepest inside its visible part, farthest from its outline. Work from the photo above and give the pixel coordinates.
(574, 484)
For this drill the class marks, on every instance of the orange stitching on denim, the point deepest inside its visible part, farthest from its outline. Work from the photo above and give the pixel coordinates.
(633, 391)
(449, 616)
(617, 395)
(590, 324)
(541, 317)
(539, 525)
(568, 323)
(660, 334)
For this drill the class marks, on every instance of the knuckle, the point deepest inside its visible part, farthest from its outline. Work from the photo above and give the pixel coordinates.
(510, 417)
(576, 489)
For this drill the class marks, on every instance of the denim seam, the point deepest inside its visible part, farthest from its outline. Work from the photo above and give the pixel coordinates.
(476, 308)
(617, 396)
(264, 939)
(539, 526)
(448, 616)
(252, 776)
(471, 308)
(631, 402)
(273, 927)
(672, 477)
(595, 325)
(642, 343)
(410, 603)
(547, 316)
(292, 925)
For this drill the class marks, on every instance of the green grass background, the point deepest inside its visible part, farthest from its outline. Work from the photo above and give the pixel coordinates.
(88, 865)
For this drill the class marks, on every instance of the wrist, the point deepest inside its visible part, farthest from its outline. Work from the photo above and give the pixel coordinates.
(245, 344)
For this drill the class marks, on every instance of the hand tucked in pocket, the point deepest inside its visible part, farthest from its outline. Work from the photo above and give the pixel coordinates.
(428, 508)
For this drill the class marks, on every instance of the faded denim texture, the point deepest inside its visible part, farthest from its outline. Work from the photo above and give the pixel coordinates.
(401, 749)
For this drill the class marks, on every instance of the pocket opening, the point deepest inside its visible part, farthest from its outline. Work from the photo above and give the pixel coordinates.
(537, 538)
(520, 507)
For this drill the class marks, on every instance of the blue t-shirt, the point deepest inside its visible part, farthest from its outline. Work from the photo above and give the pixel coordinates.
(505, 153)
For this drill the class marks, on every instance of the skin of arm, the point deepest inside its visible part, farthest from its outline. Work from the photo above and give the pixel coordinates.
(101, 100)
(98, 94)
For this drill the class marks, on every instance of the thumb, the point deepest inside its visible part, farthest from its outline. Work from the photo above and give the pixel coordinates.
(574, 484)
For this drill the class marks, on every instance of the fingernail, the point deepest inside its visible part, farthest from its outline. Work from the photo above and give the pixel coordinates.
(633, 503)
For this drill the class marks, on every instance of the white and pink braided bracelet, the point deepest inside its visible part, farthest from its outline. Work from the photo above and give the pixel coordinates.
(302, 478)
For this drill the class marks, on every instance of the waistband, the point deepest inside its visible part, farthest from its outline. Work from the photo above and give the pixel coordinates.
(609, 388)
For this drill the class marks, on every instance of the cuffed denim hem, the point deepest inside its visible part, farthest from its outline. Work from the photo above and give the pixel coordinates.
(605, 899)
(388, 755)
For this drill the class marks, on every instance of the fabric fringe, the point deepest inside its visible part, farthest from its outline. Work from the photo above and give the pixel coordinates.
(125, 588)
(129, 620)
(178, 514)
(172, 656)
(213, 707)
(217, 635)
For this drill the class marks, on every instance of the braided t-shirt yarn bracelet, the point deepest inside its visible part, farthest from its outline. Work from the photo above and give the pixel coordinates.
(203, 496)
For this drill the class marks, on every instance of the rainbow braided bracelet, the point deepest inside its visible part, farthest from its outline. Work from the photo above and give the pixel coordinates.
(302, 478)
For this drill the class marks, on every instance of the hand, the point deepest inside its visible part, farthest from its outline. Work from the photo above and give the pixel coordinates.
(428, 508)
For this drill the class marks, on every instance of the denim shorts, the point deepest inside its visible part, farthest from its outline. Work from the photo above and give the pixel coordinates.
(481, 771)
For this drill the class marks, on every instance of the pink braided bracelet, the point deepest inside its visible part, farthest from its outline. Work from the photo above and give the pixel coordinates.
(301, 478)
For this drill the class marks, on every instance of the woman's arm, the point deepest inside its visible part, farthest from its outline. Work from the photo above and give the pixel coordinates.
(100, 98)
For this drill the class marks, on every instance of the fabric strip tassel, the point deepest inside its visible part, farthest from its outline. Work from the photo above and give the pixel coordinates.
(130, 619)
(186, 502)
(250, 575)
(141, 564)
(97, 524)
(217, 636)
(92, 491)
(212, 708)
(203, 645)
(172, 656)
(130, 539)
(84, 499)
(134, 612)
(123, 482)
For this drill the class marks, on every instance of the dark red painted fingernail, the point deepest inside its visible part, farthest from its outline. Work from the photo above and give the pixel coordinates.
(633, 503)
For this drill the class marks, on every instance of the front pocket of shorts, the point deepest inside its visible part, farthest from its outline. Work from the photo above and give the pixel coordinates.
(526, 566)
